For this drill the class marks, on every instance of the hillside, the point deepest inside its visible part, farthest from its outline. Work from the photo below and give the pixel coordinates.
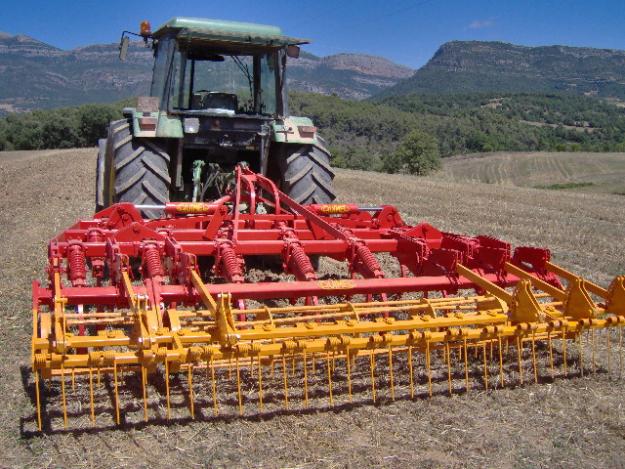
(474, 66)
(584, 172)
(36, 75)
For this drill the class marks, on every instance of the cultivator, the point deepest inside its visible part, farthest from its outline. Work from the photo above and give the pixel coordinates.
(143, 303)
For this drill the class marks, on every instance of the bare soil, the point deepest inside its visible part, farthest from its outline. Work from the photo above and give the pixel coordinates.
(571, 421)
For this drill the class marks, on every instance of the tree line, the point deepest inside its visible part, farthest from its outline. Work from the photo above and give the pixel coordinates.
(396, 134)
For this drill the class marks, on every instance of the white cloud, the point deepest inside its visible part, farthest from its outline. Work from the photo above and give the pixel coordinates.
(480, 24)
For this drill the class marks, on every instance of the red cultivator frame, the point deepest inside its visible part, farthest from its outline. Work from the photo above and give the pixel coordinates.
(172, 295)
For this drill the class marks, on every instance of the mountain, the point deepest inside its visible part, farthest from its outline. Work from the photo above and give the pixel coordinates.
(475, 66)
(37, 75)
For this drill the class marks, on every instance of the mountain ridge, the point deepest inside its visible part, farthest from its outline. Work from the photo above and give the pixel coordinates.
(487, 66)
(34, 74)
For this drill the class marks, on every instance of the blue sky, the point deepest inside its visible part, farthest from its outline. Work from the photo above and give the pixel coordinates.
(406, 31)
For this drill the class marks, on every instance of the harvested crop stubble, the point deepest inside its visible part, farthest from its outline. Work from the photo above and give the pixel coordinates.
(570, 422)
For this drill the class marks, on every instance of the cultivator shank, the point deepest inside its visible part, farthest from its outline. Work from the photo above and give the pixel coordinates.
(146, 303)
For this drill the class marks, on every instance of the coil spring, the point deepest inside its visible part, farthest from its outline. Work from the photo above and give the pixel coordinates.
(230, 263)
(301, 260)
(76, 265)
(152, 261)
(368, 259)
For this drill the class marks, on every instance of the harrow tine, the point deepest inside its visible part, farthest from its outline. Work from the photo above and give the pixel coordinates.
(117, 416)
(410, 370)
(144, 380)
(534, 359)
(447, 353)
(286, 383)
(390, 372)
(63, 396)
(465, 355)
(593, 349)
(580, 345)
(260, 384)
(305, 364)
(485, 367)
(501, 373)
(91, 399)
(38, 399)
(190, 382)
(519, 350)
(551, 364)
(329, 372)
(214, 386)
(620, 354)
(428, 366)
(348, 368)
(239, 395)
(564, 352)
(167, 388)
(609, 349)
(372, 368)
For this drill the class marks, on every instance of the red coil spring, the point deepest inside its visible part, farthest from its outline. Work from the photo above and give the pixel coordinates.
(152, 261)
(369, 260)
(301, 262)
(77, 267)
(230, 263)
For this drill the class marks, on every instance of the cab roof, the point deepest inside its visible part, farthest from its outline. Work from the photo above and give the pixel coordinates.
(206, 29)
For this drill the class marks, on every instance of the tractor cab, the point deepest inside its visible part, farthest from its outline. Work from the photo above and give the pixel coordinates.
(218, 98)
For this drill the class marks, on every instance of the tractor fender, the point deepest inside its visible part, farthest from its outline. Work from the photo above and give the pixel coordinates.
(295, 129)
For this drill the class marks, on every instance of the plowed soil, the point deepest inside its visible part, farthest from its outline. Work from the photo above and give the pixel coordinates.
(571, 421)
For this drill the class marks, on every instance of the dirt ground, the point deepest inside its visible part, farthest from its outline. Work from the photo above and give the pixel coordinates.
(570, 422)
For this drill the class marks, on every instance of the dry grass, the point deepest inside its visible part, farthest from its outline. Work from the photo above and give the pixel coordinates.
(592, 172)
(572, 422)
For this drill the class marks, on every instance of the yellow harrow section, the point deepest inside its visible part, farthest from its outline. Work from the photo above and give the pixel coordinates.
(344, 351)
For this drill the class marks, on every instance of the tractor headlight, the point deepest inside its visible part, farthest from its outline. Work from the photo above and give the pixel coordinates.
(191, 125)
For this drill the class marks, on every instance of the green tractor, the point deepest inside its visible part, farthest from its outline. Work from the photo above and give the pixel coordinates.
(218, 98)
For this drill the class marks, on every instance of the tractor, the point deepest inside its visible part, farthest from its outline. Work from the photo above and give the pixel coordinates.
(218, 98)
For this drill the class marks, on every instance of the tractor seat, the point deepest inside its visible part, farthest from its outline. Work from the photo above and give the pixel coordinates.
(221, 103)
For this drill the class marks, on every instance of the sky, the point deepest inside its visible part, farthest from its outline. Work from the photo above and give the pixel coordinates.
(405, 31)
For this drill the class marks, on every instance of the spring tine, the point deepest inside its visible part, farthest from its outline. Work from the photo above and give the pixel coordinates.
(239, 395)
(428, 366)
(313, 363)
(38, 399)
(466, 363)
(609, 347)
(448, 366)
(91, 403)
(99, 381)
(411, 372)
(73, 380)
(566, 369)
(191, 398)
(501, 373)
(620, 351)
(372, 367)
(63, 396)
(167, 388)
(230, 369)
(553, 373)
(260, 384)
(305, 377)
(592, 345)
(117, 418)
(214, 386)
(293, 364)
(390, 372)
(286, 384)
(534, 365)
(519, 358)
(580, 345)
(485, 367)
(348, 366)
(144, 381)
(328, 366)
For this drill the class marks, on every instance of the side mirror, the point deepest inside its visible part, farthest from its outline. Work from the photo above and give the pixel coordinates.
(292, 51)
(123, 48)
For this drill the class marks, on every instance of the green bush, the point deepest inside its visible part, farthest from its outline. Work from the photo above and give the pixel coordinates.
(417, 154)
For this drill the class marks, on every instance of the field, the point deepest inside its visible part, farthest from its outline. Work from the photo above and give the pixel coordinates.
(570, 422)
(587, 172)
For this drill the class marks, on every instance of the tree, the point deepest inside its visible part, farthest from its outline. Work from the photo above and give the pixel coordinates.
(418, 154)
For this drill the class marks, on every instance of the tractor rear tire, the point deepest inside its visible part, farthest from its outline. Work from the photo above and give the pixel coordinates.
(141, 168)
(307, 176)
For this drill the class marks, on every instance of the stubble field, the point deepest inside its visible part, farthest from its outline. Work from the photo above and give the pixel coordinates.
(569, 422)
